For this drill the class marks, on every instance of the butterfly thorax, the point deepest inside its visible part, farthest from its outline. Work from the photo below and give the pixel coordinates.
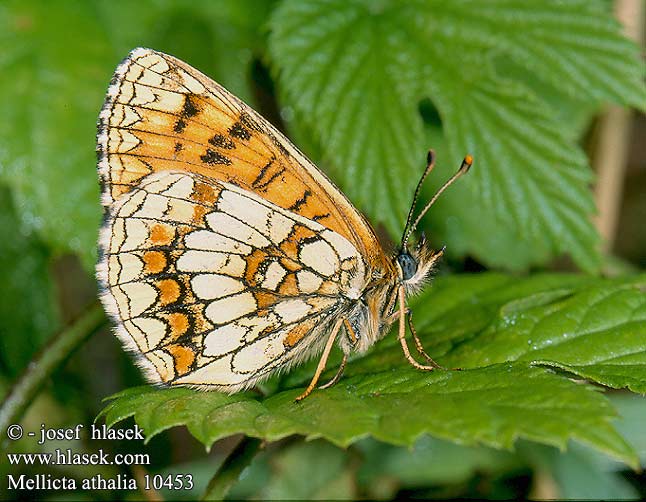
(370, 315)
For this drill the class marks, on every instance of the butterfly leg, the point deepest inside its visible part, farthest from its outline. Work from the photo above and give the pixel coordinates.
(419, 346)
(350, 330)
(339, 373)
(322, 361)
(402, 334)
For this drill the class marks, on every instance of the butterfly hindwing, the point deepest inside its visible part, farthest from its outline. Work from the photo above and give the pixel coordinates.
(211, 285)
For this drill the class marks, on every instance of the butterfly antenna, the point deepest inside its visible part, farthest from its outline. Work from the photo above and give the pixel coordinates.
(430, 162)
(464, 168)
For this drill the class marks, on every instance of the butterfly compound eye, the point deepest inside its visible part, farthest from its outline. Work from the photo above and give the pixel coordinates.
(407, 264)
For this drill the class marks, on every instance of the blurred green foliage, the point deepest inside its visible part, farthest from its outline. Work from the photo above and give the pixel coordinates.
(364, 87)
(28, 313)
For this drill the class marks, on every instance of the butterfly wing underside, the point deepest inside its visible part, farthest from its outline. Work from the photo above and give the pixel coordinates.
(211, 285)
(226, 254)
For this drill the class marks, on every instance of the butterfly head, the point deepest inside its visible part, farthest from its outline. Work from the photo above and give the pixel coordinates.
(415, 265)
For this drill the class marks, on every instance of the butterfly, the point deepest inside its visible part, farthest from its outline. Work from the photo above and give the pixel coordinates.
(225, 255)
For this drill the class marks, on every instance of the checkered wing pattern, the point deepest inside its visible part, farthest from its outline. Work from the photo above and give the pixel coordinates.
(213, 286)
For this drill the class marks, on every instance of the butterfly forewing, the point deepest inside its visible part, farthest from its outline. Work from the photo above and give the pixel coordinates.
(214, 286)
(162, 114)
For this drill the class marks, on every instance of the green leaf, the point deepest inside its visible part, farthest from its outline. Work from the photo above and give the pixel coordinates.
(458, 221)
(356, 71)
(632, 410)
(591, 327)
(28, 310)
(575, 46)
(492, 406)
(596, 332)
(532, 181)
(501, 330)
(313, 470)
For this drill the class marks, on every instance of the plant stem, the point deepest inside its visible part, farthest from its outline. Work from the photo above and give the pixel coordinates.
(229, 472)
(50, 357)
(611, 152)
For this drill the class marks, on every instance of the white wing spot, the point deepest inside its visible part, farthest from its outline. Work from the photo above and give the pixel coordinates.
(140, 296)
(279, 226)
(230, 308)
(292, 310)
(308, 282)
(180, 210)
(132, 203)
(153, 330)
(258, 354)
(210, 241)
(192, 84)
(224, 339)
(181, 188)
(150, 60)
(342, 246)
(208, 261)
(256, 325)
(163, 363)
(154, 206)
(161, 182)
(131, 266)
(267, 221)
(319, 256)
(221, 222)
(136, 235)
(217, 372)
(212, 286)
(273, 275)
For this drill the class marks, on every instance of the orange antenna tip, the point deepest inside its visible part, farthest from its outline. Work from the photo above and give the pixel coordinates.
(466, 164)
